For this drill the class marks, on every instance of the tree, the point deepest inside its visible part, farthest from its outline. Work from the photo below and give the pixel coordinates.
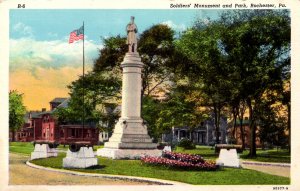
(202, 46)
(271, 124)
(86, 97)
(257, 43)
(156, 49)
(179, 108)
(109, 117)
(238, 58)
(286, 100)
(16, 112)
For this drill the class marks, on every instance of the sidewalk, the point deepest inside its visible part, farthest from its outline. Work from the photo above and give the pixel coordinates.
(22, 174)
(279, 169)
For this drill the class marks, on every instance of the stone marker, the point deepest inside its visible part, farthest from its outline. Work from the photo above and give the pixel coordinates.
(83, 158)
(228, 158)
(167, 148)
(43, 151)
(130, 138)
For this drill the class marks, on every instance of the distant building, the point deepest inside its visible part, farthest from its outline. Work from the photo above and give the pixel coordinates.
(56, 102)
(42, 126)
(246, 128)
(204, 134)
(25, 133)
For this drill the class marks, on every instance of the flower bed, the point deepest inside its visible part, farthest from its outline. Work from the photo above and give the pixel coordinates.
(181, 161)
(194, 159)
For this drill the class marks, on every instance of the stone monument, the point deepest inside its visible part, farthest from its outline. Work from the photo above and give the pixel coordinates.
(80, 155)
(83, 158)
(43, 151)
(130, 139)
(228, 158)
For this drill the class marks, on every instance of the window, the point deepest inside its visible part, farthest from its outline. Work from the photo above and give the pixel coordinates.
(73, 132)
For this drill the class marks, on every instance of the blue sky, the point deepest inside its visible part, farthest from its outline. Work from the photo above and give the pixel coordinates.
(57, 24)
(42, 62)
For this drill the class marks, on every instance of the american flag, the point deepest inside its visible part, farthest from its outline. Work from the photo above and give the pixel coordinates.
(76, 35)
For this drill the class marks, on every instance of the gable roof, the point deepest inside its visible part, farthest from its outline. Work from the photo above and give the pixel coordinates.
(64, 104)
(58, 100)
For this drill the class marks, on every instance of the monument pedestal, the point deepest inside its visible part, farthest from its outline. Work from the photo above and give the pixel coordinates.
(83, 158)
(43, 151)
(130, 139)
(228, 158)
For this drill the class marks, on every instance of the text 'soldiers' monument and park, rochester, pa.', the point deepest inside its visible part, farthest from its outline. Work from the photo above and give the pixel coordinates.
(130, 138)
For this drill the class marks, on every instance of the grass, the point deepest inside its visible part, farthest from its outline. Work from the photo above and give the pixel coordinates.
(205, 151)
(27, 147)
(274, 155)
(21, 147)
(278, 156)
(226, 176)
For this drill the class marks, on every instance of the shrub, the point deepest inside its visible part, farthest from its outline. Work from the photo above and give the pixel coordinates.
(186, 144)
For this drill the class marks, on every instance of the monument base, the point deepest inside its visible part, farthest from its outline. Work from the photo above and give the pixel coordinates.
(128, 153)
(228, 158)
(43, 151)
(83, 158)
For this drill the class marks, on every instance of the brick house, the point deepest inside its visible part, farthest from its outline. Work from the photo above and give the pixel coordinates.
(42, 126)
(246, 128)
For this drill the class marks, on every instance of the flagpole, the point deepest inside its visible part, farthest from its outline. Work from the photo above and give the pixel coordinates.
(83, 105)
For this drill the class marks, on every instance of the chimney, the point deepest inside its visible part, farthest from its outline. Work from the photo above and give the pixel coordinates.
(43, 109)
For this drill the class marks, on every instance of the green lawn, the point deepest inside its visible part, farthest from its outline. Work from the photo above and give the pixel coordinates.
(27, 148)
(21, 147)
(278, 156)
(135, 168)
(274, 155)
(206, 151)
(226, 176)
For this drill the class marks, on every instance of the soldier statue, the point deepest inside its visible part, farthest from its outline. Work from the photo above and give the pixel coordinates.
(131, 36)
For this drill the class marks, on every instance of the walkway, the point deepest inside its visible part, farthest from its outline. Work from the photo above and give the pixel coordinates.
(21, 174)
(280, 169)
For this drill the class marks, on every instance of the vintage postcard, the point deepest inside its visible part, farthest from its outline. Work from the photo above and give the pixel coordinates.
(149, 95)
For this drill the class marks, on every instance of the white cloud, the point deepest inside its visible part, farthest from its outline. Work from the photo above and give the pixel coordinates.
(51, 34)
(176, 27)
(29, 54)
(23, 29)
